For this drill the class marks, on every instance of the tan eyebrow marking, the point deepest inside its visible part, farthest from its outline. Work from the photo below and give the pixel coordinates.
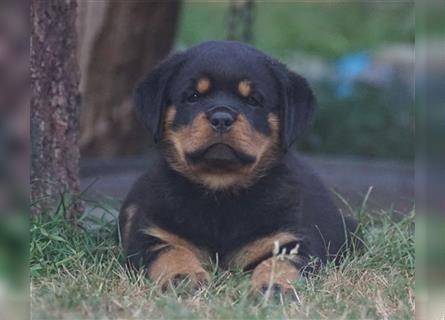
(244, 88)
(203, 85)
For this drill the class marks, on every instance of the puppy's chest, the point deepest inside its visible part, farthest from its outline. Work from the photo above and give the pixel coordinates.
(221, 225)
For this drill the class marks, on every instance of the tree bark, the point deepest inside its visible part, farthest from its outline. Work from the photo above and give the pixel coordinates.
(54, 106)
(240, 16)
(133, 37)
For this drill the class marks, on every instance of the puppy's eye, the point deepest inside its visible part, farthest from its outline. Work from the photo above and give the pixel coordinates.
(251, 100)
(194, 97)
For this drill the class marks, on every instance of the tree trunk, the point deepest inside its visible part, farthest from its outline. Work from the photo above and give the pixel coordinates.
(240, 16)
(54, 106)
(133, 37)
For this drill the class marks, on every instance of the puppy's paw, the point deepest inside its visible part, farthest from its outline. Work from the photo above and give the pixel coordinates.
(193, 280)
(178, 266)
(274, 278)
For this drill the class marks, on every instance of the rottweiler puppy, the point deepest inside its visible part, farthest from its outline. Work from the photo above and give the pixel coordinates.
(224, 183)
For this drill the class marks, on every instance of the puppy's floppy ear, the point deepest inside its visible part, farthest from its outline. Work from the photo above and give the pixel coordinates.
(297, 106)
(151, 94)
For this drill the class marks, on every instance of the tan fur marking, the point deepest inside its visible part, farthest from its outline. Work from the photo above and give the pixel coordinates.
(244, 88)
(253, 251)
(180, 258)
(274, 271)
(203, 85)
(130, 212)
(173, 240)
(218, 181)
(187, 139)
(242, 137)
(177, 262)
(250, 140)
(274, 123)
(170, 115)
(265, 148)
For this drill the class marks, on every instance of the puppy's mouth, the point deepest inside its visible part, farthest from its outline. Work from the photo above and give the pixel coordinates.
(220, 156)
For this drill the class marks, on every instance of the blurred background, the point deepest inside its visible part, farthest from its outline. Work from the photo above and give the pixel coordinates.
(357, 55)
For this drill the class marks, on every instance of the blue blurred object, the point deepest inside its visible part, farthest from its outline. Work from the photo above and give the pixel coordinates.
(348, 68)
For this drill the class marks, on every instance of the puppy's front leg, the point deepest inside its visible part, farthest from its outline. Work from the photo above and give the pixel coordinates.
(176, 263)
(276, 272)
(167, 257)
(174, 259)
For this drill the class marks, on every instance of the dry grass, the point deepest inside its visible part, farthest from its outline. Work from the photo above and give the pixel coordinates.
(76, 274)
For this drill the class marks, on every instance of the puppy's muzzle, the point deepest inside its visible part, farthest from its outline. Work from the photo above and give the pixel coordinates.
(221, 118)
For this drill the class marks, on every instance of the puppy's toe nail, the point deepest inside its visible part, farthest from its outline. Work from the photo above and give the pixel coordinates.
(277, 291)
(276, 288)
(177, 279)
(193, 281)
(263, 288)
(201, 279)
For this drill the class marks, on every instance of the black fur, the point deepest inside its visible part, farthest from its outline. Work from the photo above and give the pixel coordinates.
(289, 197)
(151, 95)
(298, 104)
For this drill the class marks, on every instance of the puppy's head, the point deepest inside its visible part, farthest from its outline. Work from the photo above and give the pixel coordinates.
(224, 112)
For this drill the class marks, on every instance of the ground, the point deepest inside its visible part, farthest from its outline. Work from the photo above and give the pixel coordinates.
(76, 273)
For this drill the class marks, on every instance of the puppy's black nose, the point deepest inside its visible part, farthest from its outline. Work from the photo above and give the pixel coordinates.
(221, 119)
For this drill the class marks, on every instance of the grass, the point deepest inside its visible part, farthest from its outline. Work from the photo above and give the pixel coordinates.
(76, 273)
